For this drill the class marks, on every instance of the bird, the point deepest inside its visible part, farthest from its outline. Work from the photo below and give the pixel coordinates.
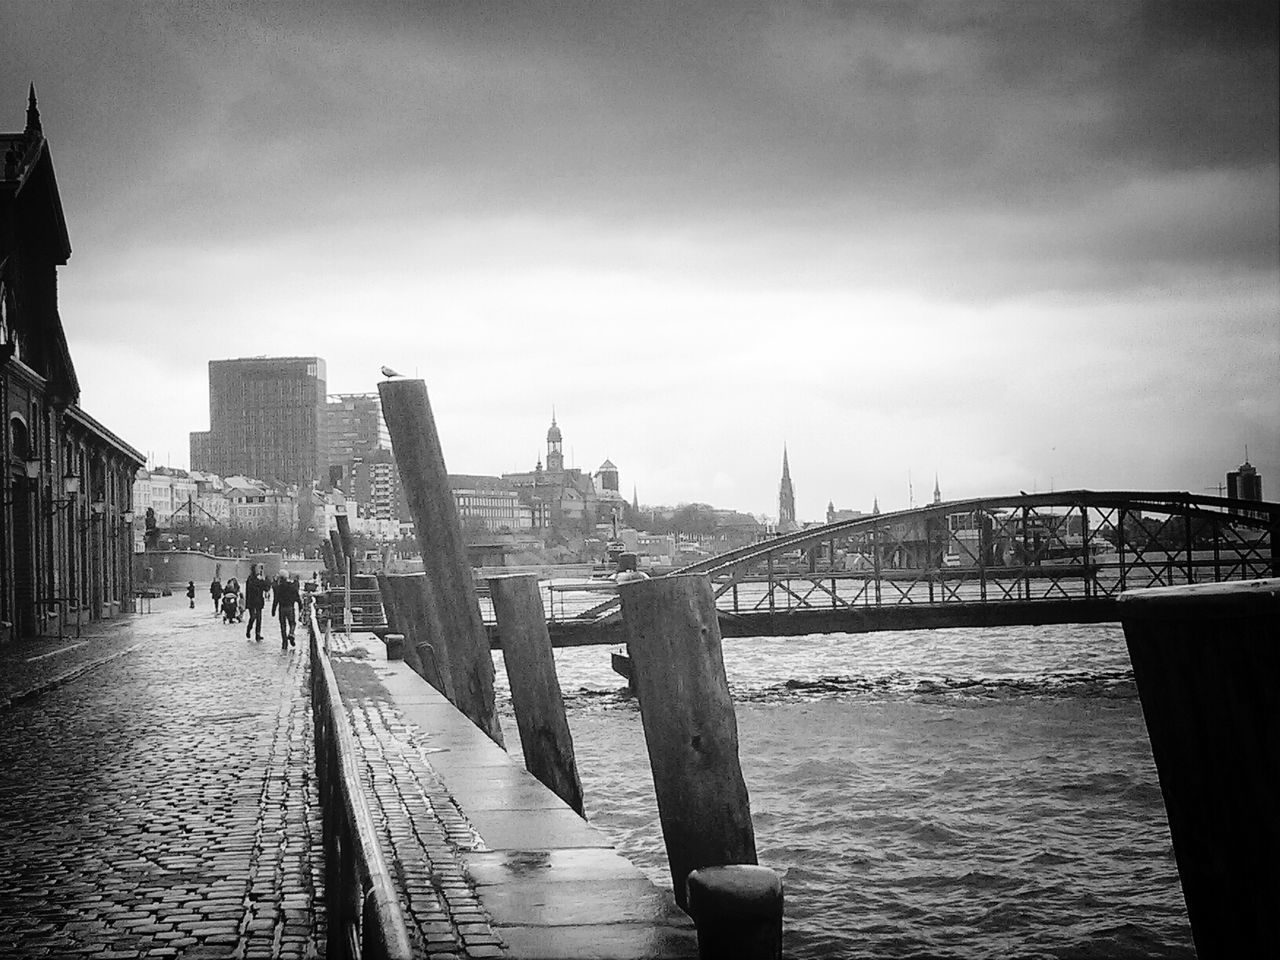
(388, 372)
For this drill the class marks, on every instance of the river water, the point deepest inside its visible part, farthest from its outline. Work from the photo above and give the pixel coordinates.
(942, 793)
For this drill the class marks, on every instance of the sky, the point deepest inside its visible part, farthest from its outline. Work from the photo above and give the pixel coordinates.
(1023, 246)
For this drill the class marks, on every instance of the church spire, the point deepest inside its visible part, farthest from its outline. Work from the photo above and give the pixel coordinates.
(937, 491)
(786, 497)
(33, 114)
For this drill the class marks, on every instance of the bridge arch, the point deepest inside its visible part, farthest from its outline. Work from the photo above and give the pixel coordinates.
(1062, 557)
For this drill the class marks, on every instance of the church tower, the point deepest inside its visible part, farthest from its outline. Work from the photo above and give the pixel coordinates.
(786, 496)
(555, 454)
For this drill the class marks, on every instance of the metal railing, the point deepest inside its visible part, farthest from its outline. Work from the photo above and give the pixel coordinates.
(365, 920)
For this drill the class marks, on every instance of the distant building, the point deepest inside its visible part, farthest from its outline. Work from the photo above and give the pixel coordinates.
(354, 427)
(266, 420)
(1244, 482)
(256, 504)
(375, 485)
(835, 516)
(560, 495)
(786, 498)
(65, 527)
(490, 501)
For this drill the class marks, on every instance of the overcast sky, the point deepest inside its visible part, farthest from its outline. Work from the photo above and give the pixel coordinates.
(1021, 246)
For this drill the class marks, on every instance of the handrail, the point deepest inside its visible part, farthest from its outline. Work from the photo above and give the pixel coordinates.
(364, 910)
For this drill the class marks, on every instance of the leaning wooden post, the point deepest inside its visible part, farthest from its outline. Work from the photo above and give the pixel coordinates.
(418, 621)
(339, 556)
(344, 536)
(689, 725)
(535, 689)
(1205, 658)
(444, 557)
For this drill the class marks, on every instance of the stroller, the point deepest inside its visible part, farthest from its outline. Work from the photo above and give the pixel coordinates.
(230, 607)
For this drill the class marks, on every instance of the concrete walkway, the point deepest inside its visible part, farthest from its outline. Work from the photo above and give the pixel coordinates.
(157, 794)
(489, 863)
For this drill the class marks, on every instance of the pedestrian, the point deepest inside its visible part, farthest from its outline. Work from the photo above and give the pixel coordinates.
(285, 601)
(191, 594)
(256, 588)
(215, 591)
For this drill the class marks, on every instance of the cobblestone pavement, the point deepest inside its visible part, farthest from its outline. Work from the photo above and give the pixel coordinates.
(161, 803)
(423, 830)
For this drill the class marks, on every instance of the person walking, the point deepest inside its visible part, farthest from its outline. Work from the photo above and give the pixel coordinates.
(191, 594)
(285, 601)
(215, 591)
(256, 588)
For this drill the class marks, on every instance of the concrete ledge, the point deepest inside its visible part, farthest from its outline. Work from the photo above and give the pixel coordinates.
(551, 884)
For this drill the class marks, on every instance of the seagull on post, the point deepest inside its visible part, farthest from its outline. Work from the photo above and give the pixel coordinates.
(388, 372)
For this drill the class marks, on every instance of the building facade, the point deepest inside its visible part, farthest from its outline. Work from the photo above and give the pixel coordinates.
(65, 525)
(1244, 482)
(354, 427)
(266, 420)
(558, 496)
(491, 502)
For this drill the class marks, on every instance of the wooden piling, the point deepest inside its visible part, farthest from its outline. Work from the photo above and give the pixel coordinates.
(426, 645)
(673, 637)
(535, 688)
(339, 555)
(425, 481)
(1206, 658)
(344, 537)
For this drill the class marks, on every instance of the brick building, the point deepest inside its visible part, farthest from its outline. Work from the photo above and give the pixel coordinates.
(65, 524)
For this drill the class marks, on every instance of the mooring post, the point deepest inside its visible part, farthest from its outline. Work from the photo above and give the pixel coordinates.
(738, 912)
(345, 538)
(535, 688)
(425, 480)
(1205, 658)
(339, 555)
(419, 622)
(673, 636)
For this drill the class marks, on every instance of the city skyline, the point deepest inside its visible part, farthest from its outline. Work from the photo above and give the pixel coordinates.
(1019, 250)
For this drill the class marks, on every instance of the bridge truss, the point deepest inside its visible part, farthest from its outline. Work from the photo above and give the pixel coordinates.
(1039, 558)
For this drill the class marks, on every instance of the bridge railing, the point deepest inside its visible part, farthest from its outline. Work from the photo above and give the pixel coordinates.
(365, 920)
(1075, 545)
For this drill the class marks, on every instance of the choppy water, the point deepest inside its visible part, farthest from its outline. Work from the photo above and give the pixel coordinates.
(963, 793)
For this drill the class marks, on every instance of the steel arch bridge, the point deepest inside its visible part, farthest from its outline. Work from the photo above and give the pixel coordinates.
(1025, 559)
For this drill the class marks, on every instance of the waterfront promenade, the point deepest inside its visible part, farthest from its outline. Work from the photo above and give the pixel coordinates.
(157, 795)
(158, 799)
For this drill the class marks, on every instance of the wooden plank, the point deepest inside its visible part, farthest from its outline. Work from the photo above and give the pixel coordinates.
(425, 481)
(535, 688)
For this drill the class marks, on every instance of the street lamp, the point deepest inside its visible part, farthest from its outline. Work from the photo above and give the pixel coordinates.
(70, 486)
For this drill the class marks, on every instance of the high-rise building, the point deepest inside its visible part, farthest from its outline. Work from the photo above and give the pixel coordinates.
(266, 420)
(354, 427)
(1244, 482)
(786, 497)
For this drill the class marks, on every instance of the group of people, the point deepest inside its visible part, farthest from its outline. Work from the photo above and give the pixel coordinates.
(232, 601)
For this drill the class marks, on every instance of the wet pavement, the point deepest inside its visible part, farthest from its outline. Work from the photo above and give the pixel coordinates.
(487, 861)
(157, 794)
